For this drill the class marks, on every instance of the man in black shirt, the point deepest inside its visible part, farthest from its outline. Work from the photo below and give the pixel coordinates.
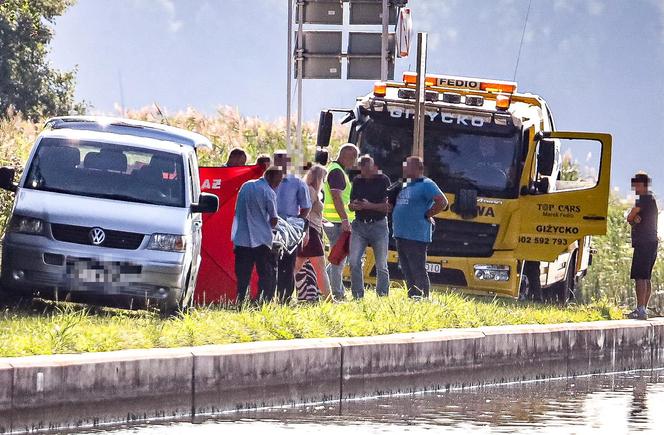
(643, 219)
(368, 199)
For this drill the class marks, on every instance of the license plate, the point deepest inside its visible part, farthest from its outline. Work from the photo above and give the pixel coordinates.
(96, 272)
(433, 267)
(88, 272)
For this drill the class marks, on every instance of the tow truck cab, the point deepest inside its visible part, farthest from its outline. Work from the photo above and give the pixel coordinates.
(525, 198)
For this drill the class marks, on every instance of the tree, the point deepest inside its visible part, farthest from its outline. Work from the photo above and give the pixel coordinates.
(28, 83)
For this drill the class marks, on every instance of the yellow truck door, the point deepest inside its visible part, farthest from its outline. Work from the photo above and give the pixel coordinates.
(570, 205)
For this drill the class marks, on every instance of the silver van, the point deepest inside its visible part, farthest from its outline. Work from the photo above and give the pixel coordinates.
(107, 208)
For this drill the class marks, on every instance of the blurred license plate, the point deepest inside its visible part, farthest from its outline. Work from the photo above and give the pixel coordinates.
(88, 272)
(433, 267)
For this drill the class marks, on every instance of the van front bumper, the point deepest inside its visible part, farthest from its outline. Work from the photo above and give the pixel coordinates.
(31, 263)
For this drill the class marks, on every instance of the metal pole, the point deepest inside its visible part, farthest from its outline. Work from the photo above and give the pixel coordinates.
(289, 75)
(420, 110)
(299, 153)
(384, 41)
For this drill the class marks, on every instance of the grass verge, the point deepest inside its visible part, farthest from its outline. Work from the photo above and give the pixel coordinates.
(68, 328)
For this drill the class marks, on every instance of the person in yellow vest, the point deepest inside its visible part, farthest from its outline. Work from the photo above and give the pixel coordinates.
(335, 208)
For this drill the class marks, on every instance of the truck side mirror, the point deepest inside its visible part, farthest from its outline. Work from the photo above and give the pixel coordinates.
(207, 203)
(321, 156)
(7, 175)
(324, 129)
(546, 156)
(465, 203)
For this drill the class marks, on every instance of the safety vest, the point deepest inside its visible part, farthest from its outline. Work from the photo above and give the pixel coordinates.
(329, 212)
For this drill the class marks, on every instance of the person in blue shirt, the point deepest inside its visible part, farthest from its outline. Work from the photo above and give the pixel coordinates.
(292, 201)
(419, 200)
(251, 233)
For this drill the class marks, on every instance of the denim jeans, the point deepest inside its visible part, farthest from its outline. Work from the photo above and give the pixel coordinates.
(335, 272)
(376, 235)
(413, 263)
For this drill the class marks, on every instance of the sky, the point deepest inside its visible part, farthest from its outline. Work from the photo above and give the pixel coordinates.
(598, 63)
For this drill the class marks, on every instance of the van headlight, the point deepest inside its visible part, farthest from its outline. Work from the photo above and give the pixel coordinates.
(492, 272)
(168, 242)
(26, 225)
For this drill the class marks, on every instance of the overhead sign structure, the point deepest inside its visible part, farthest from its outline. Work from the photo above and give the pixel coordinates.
(370, 12)
(321, 52)
(420, 99)
(364, 59)
(321, 12)
(369, 55)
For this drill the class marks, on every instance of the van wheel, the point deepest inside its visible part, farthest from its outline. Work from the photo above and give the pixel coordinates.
(565, 290)
(175, 304)
(530, 287)
(13, 297)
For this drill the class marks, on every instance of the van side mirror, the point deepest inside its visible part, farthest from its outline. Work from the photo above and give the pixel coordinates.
(7, 175)
(207, 203)
(546, 156)
(324, 129)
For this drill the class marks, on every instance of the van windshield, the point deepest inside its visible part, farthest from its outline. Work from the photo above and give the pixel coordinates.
(104, 170)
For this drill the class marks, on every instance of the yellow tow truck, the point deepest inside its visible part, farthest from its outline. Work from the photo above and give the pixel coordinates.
(525, 198)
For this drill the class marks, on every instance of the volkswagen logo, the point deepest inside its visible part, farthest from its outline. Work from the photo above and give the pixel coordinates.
(97, 236)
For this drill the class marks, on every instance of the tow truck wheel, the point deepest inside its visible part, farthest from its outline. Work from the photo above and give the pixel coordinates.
(565, 290)
(530, 287)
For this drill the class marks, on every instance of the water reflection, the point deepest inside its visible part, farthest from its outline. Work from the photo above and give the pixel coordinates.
(620, 403)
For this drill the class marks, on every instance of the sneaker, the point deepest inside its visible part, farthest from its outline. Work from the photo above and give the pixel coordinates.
(633, 315)
(643, 314)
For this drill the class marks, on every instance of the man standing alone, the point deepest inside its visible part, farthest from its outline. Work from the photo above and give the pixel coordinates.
(643, 219)
(369, 202)
(417, 203)
(292, 201)
(255, 216)
(335, 209)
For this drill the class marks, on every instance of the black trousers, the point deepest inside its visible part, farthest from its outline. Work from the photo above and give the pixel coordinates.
(263, 259)
(413, 263)
(286, 276)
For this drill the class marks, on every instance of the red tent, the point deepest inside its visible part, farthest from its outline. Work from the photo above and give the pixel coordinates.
(216, 279)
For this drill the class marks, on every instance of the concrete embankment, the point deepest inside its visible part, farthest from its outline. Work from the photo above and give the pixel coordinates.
(64, 392)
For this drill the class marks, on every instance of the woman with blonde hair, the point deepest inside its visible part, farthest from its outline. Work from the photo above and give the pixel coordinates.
(313, 250)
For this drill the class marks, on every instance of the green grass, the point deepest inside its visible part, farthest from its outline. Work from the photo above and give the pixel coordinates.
(68, 328)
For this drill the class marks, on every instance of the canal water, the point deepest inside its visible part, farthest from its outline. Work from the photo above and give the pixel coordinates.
(605, 404)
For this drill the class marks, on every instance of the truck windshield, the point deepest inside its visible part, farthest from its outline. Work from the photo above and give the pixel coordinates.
(104, 170)
(482, 159)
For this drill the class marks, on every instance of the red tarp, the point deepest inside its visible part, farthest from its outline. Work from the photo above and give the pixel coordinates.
(216, 279)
